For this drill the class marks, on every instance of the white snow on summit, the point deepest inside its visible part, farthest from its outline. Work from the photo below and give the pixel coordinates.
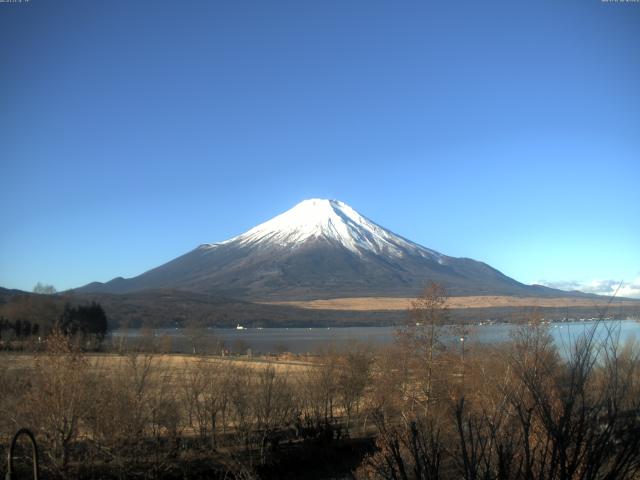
(330, 220)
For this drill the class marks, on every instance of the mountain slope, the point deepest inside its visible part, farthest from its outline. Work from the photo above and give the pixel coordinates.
(320, 249)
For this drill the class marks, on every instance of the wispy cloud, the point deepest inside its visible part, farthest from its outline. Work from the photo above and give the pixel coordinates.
(629, 289)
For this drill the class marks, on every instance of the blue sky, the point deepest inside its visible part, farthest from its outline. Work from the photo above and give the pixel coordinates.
(508, 132)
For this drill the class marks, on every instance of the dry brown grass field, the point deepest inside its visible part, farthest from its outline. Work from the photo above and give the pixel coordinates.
(397, 304)
(113, 362)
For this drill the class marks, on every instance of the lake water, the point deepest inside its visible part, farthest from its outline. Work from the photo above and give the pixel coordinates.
(311, 340)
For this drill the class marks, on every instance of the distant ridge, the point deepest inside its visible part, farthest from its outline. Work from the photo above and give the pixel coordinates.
(321, 249)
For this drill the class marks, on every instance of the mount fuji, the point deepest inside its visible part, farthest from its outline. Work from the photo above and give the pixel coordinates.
(319, 249)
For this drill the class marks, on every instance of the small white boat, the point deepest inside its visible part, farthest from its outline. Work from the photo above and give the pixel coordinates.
(239, 327)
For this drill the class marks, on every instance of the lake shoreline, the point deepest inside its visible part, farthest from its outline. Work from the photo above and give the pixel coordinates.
(306, 340)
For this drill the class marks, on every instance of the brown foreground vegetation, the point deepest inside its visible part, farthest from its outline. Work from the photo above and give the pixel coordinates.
(416, 410)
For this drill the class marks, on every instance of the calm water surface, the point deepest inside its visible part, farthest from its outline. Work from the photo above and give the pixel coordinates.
(310, 340)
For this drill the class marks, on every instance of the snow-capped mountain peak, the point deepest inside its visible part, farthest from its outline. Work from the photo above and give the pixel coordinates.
(318, 249)
(333, 221)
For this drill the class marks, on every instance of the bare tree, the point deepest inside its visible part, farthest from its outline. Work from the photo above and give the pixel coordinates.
(353, 378)
(240, 404)
(193, 386)
(421, 336)
(44, 289)
(56, 400)
(319, 391)
(195, 332)
(123, 413)
(206, 393)
(273, 406)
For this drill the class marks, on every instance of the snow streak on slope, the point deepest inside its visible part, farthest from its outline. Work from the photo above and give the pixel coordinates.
(330, 220)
